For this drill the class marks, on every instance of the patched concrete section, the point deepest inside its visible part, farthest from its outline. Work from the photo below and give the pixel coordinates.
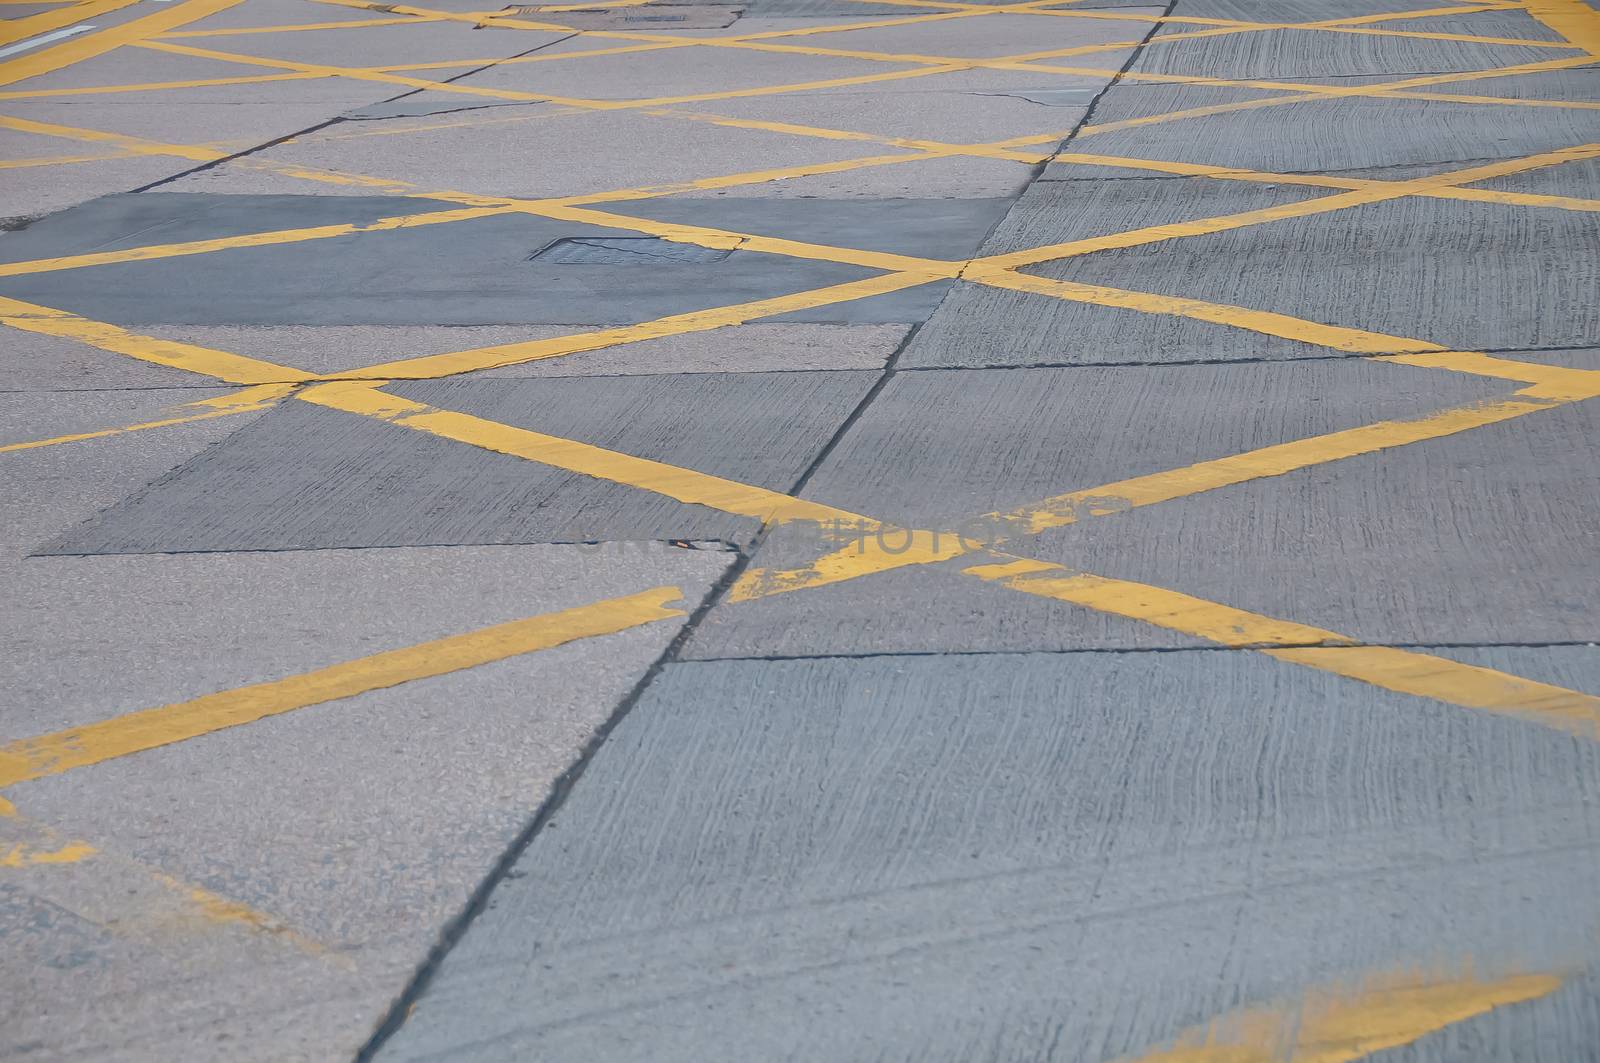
(935, 451)
(479, 271)
(1488, 536)
(307, 477)
(1002, 851)
(1470, 276)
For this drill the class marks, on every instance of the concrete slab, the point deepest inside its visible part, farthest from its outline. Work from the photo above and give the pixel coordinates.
(1470, 276)
(755, 348)
(1577, 179)
(933, 451)
(471, 272)
(1482, 537)
(929, 852)
(366, 483)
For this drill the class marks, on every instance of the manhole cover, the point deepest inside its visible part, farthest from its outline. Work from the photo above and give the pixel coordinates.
(624, 251)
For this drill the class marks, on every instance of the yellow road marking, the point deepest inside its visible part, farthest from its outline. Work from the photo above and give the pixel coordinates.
(248, 401)
(1575, 20)
(34, 25)
(867, 557)
(20, 855)
(1341, 1026)
(1303, 208)
(266, 239)
(53, 754)
(223, 365)
(302, 27)
(1401, 670)
(155, 86)
(440, 365)
(76, 50)
(1405, 671)
(130, 145)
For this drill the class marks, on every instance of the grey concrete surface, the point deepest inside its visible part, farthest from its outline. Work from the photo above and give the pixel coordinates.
(913, 816)
(932, 453)
(260, 491)
(941, 854)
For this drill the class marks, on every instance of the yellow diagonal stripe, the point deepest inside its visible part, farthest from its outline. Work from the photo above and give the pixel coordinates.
(52, 754)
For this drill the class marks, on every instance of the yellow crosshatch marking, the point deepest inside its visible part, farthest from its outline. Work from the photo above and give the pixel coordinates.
(1323, 1027)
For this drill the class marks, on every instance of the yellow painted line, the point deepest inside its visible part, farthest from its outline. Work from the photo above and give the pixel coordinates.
(535, 97)
(1303, 208)
(76, 50)
(131, 145)
(223, 365)
(248, 240)
(21, 855)
(20, 29)
(1575, 20)
(1405, 671)
(866, 557)
(136, 732)
(684, 485)
(1343, 1025)
(1399, 670)
(59, 160)
(154, 86)
(303, 27)
(258, 398)
(440, 365)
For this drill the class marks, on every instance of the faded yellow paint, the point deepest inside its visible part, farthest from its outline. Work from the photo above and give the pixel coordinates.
(31, 856)
(131, 145)
(223, 365)
(248, 401)
(1405, 671)
(1340, 1025)
(87, 46)
(20, 29)
(439, 365)
(1575, 20)
(135, 732)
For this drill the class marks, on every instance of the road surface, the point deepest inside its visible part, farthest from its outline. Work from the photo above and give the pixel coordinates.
(890, 530)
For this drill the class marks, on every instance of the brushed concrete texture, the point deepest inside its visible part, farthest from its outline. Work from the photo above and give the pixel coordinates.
(1471, 276)
(470, 272)
(308, 477)
(1487, 536)
(934, 450)
(34, 363)
(1290, 54)
(1315, 135)
(913, 858)
(755, 348)
(1577, 179)
(362, 825)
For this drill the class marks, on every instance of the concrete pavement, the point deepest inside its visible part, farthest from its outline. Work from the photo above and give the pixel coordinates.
(800, 529)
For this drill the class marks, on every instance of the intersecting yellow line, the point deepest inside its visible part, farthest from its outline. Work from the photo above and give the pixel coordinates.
(77, 49)
(45, 21)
